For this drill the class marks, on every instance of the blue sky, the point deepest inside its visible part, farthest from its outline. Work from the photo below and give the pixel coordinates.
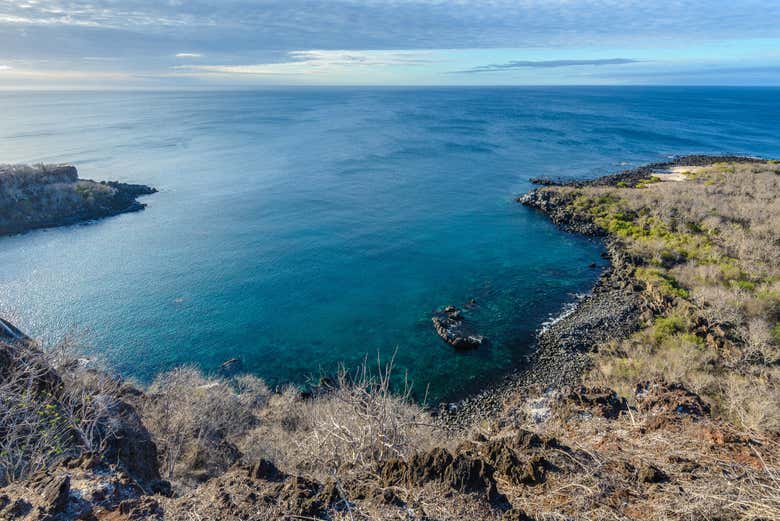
(242, 43)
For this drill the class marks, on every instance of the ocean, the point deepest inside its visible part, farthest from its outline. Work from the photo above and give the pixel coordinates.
(298, 229)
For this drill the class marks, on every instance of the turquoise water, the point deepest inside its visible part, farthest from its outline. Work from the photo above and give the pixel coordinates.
(296, 229)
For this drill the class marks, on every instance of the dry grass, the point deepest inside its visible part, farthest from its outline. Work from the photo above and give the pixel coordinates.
(712, 470)
(202, 424)
(707, 250)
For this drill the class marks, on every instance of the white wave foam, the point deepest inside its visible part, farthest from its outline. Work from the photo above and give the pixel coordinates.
(568, 309)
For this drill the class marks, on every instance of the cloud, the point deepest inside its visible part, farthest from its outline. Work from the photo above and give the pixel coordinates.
(317, 62)
(5, 68)
(262, 38)
(545, 64)
(403, 24)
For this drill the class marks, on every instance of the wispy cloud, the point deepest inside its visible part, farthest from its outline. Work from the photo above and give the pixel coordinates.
(383, 24)
(545, 64)
(473, 41)
(96, 14)
(316, 62)
(5, 68)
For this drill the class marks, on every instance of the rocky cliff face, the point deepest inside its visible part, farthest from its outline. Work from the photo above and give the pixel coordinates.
(53, 195)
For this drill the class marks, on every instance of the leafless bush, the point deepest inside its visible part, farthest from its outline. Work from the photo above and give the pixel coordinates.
(194, 419)
(198, 423)
(359, 422)
(47, 416)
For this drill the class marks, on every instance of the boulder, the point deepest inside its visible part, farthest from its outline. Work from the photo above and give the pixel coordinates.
(42, 497)
(660, 397)
(604, 403)
(450, 325)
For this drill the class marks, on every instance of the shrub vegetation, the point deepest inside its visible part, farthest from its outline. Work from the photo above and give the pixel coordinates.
(708, 248)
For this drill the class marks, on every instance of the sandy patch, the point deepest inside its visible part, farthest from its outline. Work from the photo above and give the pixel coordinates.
(677, 173)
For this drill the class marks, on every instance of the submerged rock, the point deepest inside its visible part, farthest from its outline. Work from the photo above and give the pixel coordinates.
(230, 367)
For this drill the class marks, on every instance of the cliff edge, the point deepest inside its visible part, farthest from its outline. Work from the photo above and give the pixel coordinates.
(45, 196)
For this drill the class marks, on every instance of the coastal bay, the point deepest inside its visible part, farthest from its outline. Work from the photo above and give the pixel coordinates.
(507, 452)
(295, 234)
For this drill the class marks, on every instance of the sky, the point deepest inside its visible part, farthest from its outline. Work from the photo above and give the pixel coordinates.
(214, 44)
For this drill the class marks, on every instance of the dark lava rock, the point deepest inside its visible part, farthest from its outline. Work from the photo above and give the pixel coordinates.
(604, 403)
(131, 446)
(660, 397)
(650, 474)
(520, 459)
(305, 497)
(230, 366)
(515, 514)
(141, 509)
(43, 496)
(266, 470)
(461, 472)
(10, 333)
(451, 327)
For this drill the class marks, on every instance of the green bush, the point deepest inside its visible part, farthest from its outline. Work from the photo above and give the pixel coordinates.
(665, 327)
(662, 281)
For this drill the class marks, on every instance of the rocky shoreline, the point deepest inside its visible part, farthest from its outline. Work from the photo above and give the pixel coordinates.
(48, 196)
(613, 309)
(534, 447)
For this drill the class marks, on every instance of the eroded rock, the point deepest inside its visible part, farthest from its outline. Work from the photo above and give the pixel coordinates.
(660, 397)
(450, 325)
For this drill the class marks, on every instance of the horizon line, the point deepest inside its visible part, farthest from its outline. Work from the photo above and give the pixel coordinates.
(234, 88)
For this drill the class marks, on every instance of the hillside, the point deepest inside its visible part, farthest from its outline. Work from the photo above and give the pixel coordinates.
(44, 196)
(658, 398)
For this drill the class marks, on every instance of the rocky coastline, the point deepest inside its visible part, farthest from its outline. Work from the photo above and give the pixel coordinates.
(47, 196)
(546, 442)
(613, 309)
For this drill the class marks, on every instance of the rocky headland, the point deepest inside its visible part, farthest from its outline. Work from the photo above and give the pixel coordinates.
(45, 196)
(657, 397)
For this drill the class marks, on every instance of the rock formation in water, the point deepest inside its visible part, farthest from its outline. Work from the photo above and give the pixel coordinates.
(45, 196)
(451, 327)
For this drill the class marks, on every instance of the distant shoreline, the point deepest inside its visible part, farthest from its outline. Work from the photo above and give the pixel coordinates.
(49, 196)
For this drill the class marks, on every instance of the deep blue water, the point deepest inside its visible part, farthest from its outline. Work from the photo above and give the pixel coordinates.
(300, 228)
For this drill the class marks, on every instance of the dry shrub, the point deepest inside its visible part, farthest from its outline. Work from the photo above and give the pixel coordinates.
(711, 470)
(355, 424)
(204, 424)
(709, 247)
(193, 419)
(51, 408)
(753, 401)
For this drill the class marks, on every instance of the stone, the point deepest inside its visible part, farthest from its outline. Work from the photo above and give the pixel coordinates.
(648, 473)
(450, 325)
(515, 514)
(266, 470)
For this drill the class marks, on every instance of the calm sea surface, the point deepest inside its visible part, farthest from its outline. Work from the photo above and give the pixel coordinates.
(296, 229)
